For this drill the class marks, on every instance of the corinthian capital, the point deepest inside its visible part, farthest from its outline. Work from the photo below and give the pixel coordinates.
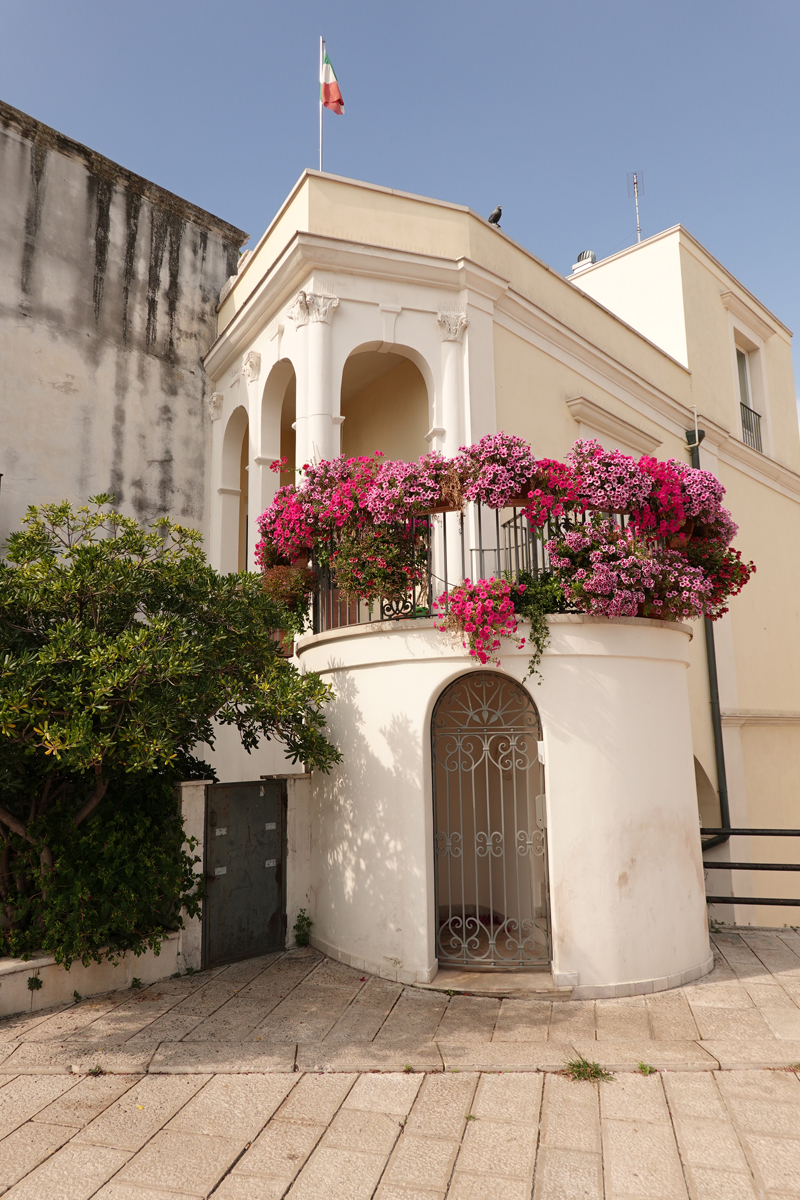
(299, 310)
(452, 325)
(321, 307)
(251, 366)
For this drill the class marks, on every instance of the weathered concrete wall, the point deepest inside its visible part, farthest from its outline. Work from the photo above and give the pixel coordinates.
(108, 294)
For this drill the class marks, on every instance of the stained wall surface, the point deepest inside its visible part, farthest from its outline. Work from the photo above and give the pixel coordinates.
(108, 295)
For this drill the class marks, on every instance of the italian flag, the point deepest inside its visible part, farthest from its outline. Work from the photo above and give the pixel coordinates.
(329, 93)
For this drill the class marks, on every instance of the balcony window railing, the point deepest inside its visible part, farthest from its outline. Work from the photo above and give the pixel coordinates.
(751, 427)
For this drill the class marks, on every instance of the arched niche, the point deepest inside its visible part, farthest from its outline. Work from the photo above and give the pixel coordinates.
(234, 493)
(278, 413)
(386, 402)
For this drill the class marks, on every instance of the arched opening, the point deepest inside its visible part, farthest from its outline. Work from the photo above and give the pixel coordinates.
(233, 492)
(384, 402)
(489, 826)
(278, 405)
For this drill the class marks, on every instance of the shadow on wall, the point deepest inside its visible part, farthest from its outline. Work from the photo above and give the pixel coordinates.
(372, 836)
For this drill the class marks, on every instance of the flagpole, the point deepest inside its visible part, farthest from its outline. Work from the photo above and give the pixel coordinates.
(321, 53)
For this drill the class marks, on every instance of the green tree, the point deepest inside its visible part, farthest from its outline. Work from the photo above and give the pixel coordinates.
(120, 651)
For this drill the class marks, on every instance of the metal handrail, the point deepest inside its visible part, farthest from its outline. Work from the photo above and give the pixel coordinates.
(711, 865)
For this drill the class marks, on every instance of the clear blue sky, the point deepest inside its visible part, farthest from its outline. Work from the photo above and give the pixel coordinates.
(542, 107)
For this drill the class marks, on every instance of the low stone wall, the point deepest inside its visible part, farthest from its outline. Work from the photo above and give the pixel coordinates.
(59, 985)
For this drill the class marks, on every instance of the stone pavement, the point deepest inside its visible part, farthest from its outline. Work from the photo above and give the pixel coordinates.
(296, 1076)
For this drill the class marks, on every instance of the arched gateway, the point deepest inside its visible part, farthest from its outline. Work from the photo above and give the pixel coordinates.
(489, 822)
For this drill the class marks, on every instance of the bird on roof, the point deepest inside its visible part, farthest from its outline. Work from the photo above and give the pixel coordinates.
(494, 217)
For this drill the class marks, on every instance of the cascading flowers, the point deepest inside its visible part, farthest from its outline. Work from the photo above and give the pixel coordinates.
(480, 614)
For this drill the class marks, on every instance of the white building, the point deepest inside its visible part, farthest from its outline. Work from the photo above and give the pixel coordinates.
(367, 319)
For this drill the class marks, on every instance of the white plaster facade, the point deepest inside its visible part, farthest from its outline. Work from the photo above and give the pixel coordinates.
(348, 273)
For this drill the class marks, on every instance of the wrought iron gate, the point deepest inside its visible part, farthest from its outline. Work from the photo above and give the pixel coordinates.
(489, 818)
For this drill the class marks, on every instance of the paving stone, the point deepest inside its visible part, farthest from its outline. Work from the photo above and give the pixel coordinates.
(233, 1106)
(769, 995)
(783, 1086)
(388, 1191)
(74, 1173)
(316, 1098)
(626, 1056)
(280, 1151)
(511, 1097)
(64, 1058)
(391, 1093)
(371, 1132)
(25, 1096)
(773, 1053)
(171, 1027)
(630, 1097)
(422, 1162)
(720, 1024)
(706, 1142)
(135, 1117)
(183, 1162)
(306, 1019)
(725, 994)
(778, 1162)
(522, 1021)
(570, 1115)
(369, 1056)
(416, 1015)
(572, 1019)
(783, 1022)
(442, 1105)
(363, 1018)
(509, 1148)
(69, 1021)
(26, 1147)
(707, 1184)
(178, 1058)
(767, 1116)
(567, 1175)
(131, 1191)
(507, 1056)
(15, 1028)
(251, 1187)
(622, 1019)
(693, 1094)
(342, 1174)
(82, 1103)
(671, 1017)
(241, 973)
(275, 984)
(234, 1020)
(202, 1002)
(481, 1187)
(470, 1019)
(640, 1159)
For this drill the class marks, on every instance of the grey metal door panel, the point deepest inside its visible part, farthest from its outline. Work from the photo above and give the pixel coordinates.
(245, 910)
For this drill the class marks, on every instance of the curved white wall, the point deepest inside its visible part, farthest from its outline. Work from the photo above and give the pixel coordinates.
(626, 876)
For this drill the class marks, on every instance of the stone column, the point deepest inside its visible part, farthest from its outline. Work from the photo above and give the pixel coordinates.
(316, 427)
(452, 326)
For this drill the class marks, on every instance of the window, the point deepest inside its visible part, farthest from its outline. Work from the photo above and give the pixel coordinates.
(751, 420)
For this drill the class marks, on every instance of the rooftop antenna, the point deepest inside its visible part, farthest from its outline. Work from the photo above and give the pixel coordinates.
(636, 189)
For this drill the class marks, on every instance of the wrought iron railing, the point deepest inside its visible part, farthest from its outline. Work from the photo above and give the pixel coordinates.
(751, 427)
(474, 543)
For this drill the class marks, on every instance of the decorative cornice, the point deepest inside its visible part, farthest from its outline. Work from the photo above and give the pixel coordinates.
(215, 402)
(595, 416)
(251, 366)
(745, 312)
(760, 716)
(452, 325)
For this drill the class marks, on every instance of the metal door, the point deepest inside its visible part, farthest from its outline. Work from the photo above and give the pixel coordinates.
(244, 913)
(489, 821)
